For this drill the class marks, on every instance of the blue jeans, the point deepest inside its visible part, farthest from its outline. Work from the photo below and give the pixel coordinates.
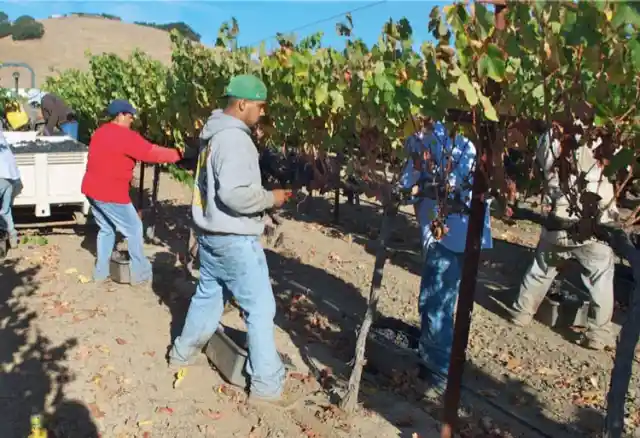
(237, 264)
(112, 217)
(7, 193)
(70, 129)
(438, 295)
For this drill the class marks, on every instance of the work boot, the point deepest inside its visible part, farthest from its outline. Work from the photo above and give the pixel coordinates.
(293, 392)
(592, 343)
(519, 319)
(13, 241)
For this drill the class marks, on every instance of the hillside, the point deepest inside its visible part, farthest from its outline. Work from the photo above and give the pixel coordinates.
(67, 38)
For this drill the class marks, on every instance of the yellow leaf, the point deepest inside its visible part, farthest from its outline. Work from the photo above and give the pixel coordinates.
(144, 423)
(82, 279)
(179, 377)
(71, 271)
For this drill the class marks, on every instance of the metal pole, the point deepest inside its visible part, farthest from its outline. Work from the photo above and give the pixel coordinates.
(151, 230)
(465, 304)
(471, 259)
(141, 189)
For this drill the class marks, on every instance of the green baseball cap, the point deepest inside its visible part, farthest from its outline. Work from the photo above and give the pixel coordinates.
(246, 87)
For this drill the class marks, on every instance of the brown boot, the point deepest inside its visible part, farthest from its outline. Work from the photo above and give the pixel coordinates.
(293, 392)
(593, 343)
(519, 319)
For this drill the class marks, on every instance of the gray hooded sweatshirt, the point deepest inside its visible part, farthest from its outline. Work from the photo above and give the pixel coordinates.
(228, 196)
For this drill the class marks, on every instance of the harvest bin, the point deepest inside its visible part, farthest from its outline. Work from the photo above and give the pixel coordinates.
(227, 351)
(51, 169)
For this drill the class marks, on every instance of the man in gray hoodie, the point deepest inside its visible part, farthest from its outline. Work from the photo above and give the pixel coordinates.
(228, 208)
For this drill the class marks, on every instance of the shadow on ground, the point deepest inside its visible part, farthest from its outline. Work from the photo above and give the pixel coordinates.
(321, 313)
(33, 374)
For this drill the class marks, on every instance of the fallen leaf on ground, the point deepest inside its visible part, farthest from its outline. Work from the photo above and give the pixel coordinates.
(96, 379)
(513, 364)
(179, 377)
(83, 279)
(120, 341)
(214, 415)
(71, 271)
(144, 423)
(60, 308)
(544, 371)
(95, 410)
(83, 353)
(165, 410)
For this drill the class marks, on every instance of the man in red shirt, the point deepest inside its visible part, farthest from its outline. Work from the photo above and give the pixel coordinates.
(113, 152)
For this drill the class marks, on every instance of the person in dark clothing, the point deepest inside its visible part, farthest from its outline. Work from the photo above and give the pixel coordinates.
(55, 112)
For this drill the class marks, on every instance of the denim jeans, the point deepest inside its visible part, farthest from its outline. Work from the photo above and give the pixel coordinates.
(438, 295)
(70, 129)
(123, 218)
(8, 191)
(236, 264)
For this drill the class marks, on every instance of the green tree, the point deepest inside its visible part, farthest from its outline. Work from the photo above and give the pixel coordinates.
(26, 28)
(5, 29)
(180, 26)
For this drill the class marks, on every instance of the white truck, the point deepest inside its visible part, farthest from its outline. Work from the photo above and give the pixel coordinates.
(51, 170)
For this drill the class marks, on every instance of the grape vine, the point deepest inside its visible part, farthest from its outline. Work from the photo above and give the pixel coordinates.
(533, 67)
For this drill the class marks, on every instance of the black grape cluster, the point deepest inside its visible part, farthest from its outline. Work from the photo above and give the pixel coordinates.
(398, 338)
(287, 170)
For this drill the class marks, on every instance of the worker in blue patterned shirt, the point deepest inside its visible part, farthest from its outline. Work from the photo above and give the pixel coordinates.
(442, 266)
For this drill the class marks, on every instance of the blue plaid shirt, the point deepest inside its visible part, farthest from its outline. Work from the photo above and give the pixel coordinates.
(463, 153)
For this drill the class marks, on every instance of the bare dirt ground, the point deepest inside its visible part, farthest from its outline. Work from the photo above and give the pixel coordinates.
(92, 356)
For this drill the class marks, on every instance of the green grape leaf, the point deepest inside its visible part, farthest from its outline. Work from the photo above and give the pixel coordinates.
(321, 93)
(489, 110)
(470, 93)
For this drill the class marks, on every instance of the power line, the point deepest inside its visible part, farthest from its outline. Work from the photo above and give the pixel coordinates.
(333, 17)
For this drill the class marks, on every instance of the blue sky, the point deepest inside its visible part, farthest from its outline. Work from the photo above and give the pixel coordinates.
(258, 20)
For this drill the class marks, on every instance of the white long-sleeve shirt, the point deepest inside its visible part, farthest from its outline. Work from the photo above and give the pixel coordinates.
(8, 167)
(596, 182)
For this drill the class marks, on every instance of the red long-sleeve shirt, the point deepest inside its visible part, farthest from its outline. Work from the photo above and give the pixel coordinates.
(113, 152)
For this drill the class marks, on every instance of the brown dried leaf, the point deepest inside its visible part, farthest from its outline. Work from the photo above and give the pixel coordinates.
(164, 410)
(120, 341)
(83, 353)
(95, 410)
(513, 364)
(210, 413)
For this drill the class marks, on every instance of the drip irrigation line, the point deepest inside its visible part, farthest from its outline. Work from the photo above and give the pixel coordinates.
(467, 389)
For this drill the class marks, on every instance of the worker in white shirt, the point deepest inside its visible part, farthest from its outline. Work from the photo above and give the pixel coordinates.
(555, 245)
(10, 186)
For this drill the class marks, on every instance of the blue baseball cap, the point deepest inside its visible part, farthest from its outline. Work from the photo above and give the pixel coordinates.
(120, 106)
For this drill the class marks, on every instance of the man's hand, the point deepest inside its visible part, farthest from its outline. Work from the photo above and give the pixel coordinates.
(280, 196)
